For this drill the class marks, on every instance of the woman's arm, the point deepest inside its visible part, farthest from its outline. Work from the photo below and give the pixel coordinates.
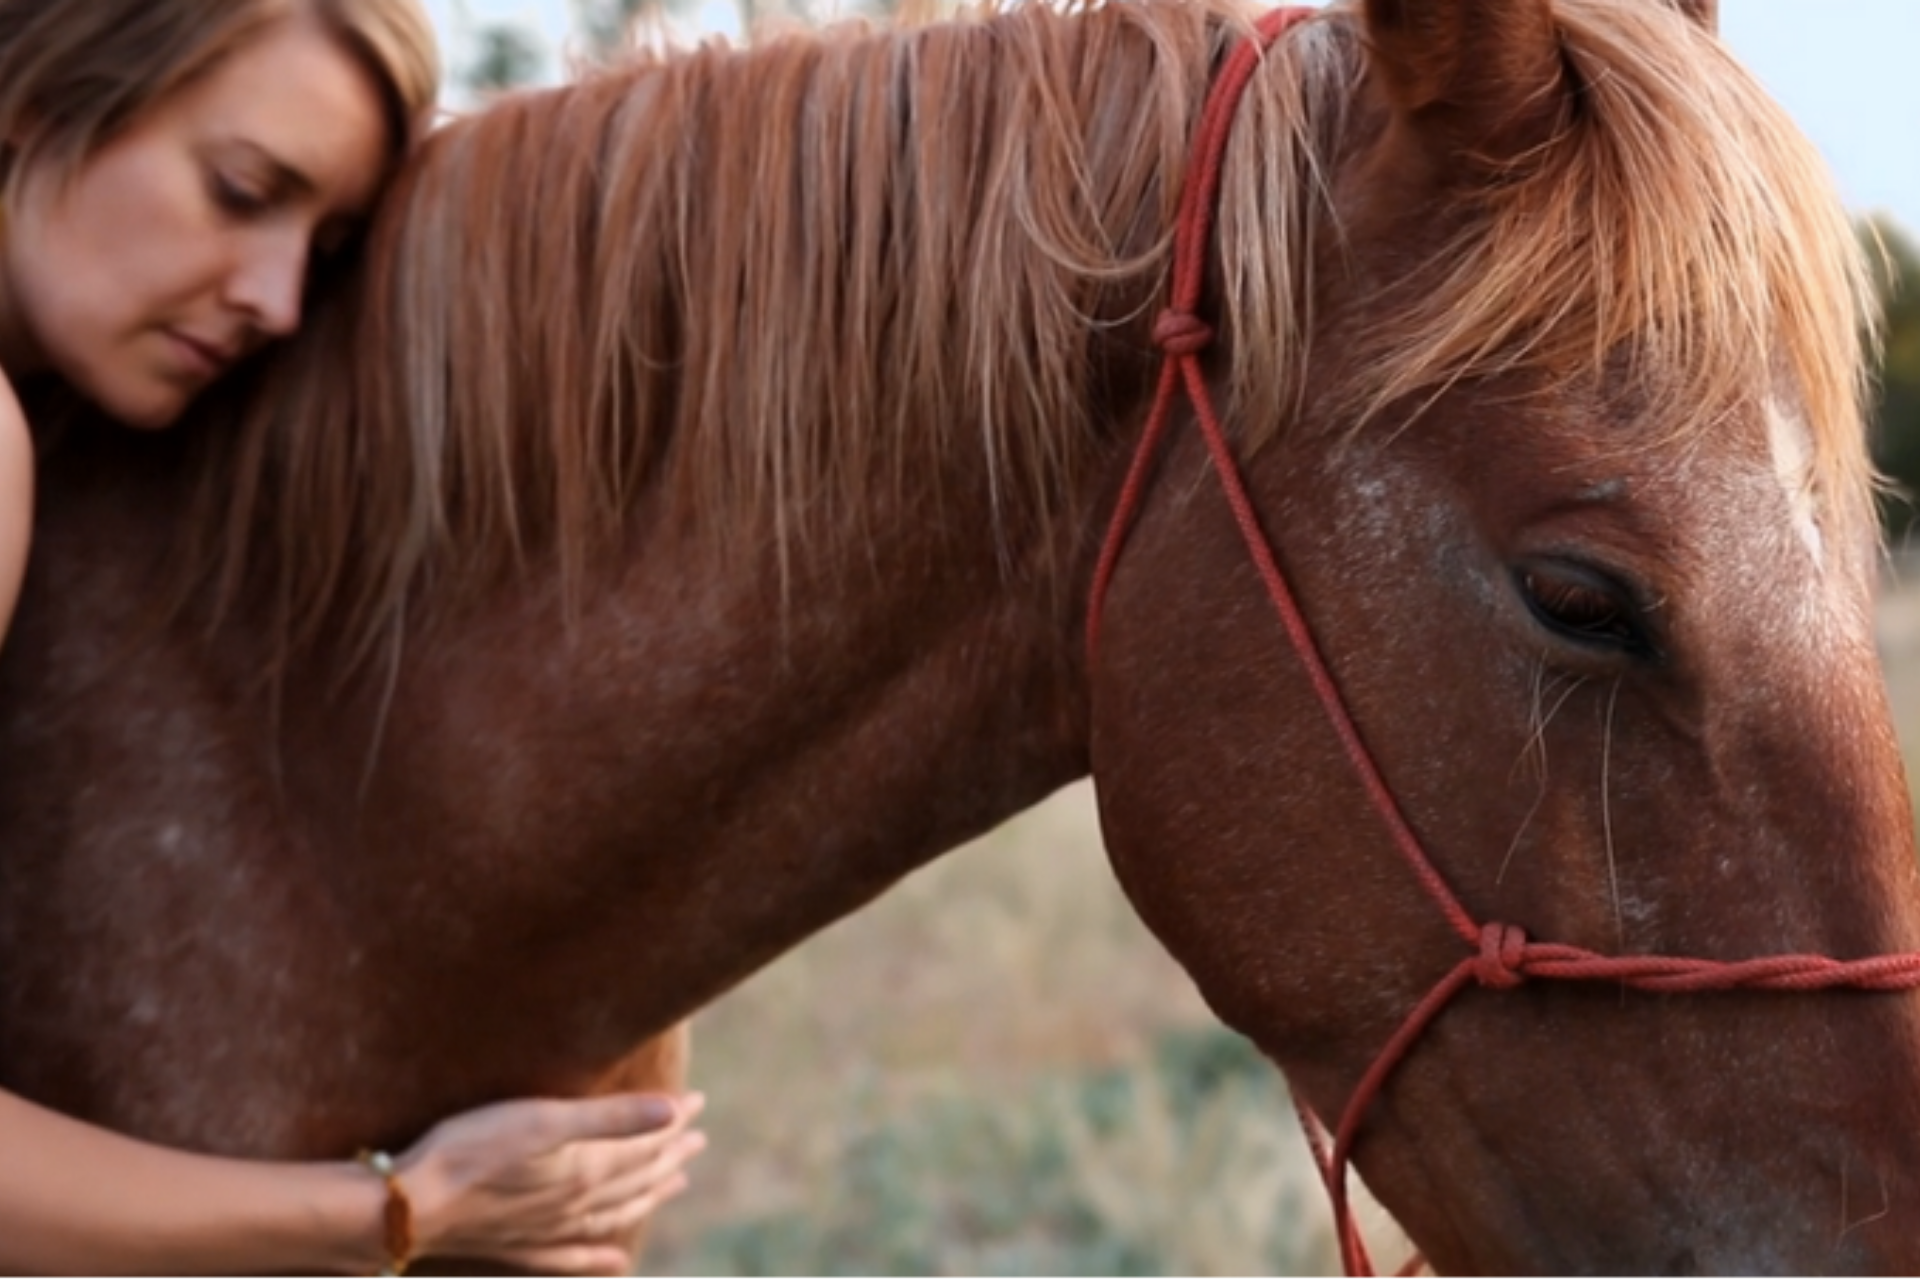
(556, 1187)
(16, 499)
(74, 1198)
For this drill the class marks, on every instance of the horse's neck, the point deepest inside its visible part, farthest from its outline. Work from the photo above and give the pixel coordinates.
(687, 775)
(676, 785)
(697, 771)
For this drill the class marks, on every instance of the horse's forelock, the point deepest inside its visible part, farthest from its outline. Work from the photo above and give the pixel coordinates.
(1682, 233)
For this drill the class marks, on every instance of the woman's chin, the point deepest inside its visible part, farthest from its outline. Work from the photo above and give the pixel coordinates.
(146, 408)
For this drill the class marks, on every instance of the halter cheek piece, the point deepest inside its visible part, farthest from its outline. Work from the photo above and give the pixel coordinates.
(1500, 956)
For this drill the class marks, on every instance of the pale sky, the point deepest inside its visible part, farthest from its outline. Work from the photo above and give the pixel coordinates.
(1848, 71)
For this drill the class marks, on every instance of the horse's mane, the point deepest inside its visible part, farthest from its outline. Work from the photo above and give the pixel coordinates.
(765, 289)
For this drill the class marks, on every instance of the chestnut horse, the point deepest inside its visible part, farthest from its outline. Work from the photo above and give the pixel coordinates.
(679, 525)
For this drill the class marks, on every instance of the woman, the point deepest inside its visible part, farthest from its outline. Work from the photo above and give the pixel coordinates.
(177, 173)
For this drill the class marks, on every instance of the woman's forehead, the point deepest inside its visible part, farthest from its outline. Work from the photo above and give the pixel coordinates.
(296, 98)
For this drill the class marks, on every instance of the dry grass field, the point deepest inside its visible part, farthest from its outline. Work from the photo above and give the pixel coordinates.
(993, 1070)
(996, 1070)
(1899, 638)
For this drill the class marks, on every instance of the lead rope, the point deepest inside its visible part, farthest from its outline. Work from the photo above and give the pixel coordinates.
(1500, 956)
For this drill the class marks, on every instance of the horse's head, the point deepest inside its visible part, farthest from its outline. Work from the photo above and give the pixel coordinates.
(1570, 483)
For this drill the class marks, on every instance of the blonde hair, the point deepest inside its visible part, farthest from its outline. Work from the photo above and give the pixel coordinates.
(74, 73)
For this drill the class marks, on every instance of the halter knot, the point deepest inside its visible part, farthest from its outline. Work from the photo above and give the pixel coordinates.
(1181, 333)
(1502, 947)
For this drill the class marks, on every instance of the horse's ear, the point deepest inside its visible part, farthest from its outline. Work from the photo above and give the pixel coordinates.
(1704, 12)
(1484, 80)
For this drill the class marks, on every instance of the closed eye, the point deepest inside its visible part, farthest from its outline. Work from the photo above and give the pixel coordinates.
(236, 198)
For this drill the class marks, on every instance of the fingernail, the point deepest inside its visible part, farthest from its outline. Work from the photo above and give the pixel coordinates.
(654, 1112)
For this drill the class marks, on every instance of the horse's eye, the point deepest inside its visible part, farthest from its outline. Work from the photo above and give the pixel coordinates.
(1583, 605)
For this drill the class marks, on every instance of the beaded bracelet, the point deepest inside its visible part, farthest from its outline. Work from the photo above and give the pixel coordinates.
(398, 1215)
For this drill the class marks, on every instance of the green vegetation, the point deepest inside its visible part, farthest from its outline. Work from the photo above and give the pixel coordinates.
(1177, 1165)
(993, 1069)
(504, 57)
(1896, 422)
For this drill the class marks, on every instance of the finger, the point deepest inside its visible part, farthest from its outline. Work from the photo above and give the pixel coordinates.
(638, 1171)
(574, 1260)
(608, 1176)
(618, 1223)
(631, 1169)
(635, 1213)
(638, 1179)
(686, 1109)
(606, 1160)
(617, 1115)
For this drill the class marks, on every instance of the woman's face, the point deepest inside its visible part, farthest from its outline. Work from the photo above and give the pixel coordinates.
(184, 243)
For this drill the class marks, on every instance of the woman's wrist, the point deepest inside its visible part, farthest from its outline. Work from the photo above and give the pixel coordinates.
(398, 1229)
(350, 1201)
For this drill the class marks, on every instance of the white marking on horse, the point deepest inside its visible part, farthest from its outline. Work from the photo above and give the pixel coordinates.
(1792, 446)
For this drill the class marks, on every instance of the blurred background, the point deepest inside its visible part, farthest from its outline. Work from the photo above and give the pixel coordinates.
(995, 1069)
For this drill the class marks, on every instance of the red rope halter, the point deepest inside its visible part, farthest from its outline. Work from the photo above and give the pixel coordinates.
(1499, 956)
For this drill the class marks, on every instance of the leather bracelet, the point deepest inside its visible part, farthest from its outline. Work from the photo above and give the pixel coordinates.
(397, 1217)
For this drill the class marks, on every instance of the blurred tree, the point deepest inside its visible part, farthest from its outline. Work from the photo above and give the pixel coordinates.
(606, 26)
(1895, 424)
(504, 57)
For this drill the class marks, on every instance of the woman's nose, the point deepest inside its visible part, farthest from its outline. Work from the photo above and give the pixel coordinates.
(268, 282)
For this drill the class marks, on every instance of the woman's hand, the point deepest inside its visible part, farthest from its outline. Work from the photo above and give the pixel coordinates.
(551, 1186)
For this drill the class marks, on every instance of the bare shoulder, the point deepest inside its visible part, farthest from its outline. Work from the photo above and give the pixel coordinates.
(16, 498)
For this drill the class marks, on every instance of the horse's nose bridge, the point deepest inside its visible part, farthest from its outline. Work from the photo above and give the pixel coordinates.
(1805, 812)
(1808, 847)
